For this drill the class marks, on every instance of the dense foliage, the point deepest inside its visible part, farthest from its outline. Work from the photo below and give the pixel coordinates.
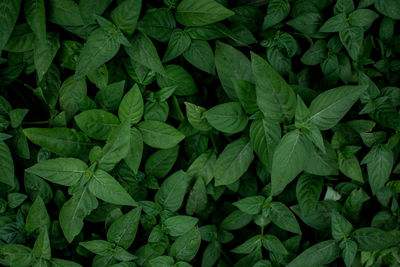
(199, 133)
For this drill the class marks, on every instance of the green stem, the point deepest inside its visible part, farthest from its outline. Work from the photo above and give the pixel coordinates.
(227, 257)
(26, 85)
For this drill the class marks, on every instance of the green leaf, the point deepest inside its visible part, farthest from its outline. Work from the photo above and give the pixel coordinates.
(349, 252)
(275, 98)
(64, 13)
(315, 54)
(200, 55)
(143, 52)
(134, 156)
(201, 12)
(264, 137)
(273, 244)
(63, 171)
(228, 117)
(231, 64)
(173, 190)
(158, 23)
(116, 148)
(250, 205)
(371, 239)
(62, 141)
(71, 92)
(162, 261)
(233, 162)
(352, 38)
(36, 18)
(340, 227)
(196, 118)
(203, 166)
(99, 247)
(177, 76)
(308, 191)
(126, 15)
(123, 231)
(320, 163)
(16, 255)
(89, 9)
(319, 254)
(131, 106)
(6, 165)
(45, 52)
(335, 24)
(179, 225)
(349, 165)
(307, 23)
(186, 246)
(74, 211)
(110, 96)
(159, 135)
(249, 245)
(161, 162)
(328, 108)
(380, 162)
(41, 248)
(246, 93)
(96, 123)
(21, 40)
(211, 254)
(288, 160)
(389, 8)
(37, 217)
(197, 200)
(236, 220)
(282, 217)
(9, 15)
(101, 46)
(276, 12)
(105, 187)
(178, 43)
(362, 18)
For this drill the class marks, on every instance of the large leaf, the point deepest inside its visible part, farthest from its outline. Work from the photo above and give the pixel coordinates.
(275, 98)
(123, 231)
(308, 191)
(160, 135)
(96, 123)
(74, 211)
(105, 187)
(62, 141)
(227, 118)
(231, 64)
(102, 45)
(36, 18)
(379, 162)
(371, 239)
(142, 51)
(126, 15)
(6, 165)
(288, 160)
(233, 162)
(284, 218)
(9, 15)
(264, 137)
(201, 12)
(131, 106)
(44, 53)
(63, 171)
(389, 8)
(320, 254)
(186, 246)
(328, 108)
(116, 148)
(172, 191)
